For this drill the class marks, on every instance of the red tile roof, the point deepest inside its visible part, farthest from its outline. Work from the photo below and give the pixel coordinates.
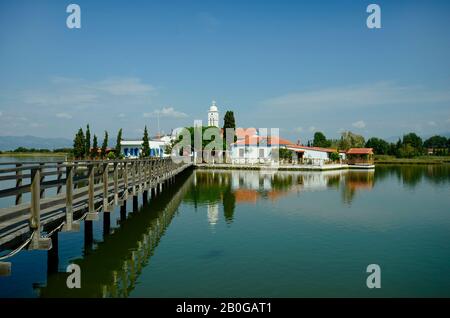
(256, 140)
(244, 132)
(312, 148)
(278, 141)
(360, 151)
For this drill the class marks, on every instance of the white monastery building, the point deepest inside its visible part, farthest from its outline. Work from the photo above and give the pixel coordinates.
(213, 115)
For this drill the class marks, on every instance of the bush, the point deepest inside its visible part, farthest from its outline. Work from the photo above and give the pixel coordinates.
(334, 156)
(111, 155)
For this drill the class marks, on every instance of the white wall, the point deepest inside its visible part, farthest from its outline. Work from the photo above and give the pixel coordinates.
(314, 154)
(251, 154)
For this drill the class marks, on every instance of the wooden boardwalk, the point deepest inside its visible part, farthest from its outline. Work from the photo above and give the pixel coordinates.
(113, 268)
(50, 196)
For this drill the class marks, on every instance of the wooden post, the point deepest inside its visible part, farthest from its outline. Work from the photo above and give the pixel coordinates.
(116, 183)
(18, 183)
(105, 188)
(140, 175)
(59, 177)
(70, 225)
(38, 242)
(92, 215)
(5, 269)
(125, 180)
(35, 200)
(42, 180)
(146, 174)
(133, 176)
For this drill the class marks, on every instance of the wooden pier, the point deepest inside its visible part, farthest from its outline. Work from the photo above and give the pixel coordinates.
(113, 268)
(50, 196)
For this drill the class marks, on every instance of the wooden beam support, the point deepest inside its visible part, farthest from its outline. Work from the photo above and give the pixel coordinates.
(18, 183)
(5, 269)
(116, 183)
(38, 242)
(70, 225)
(92, 215)
(105, 175)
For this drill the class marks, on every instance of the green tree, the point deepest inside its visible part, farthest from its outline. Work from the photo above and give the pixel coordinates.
(392, 149)
(407, 151)
(193, 130)
(284, 153)
(380, 146)
(435, 142)
(87, 141)
(351, 140)
(415, 143)
(79, 145)
(334, 156)
(145, 144)
(320, 140)
(119, 139)
(412, 139)
(94, 152)
(229, 122)
(104, 145)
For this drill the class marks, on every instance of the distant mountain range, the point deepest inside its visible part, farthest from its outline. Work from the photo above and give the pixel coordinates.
(13, 142)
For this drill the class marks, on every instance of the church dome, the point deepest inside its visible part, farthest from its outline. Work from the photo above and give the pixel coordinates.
(213, 107)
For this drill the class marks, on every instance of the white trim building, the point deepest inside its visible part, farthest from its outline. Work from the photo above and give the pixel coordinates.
(132, 149)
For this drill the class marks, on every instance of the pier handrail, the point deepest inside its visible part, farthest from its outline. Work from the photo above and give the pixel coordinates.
(79, 184)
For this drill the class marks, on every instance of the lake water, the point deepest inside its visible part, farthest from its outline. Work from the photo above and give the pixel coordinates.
(260, 234)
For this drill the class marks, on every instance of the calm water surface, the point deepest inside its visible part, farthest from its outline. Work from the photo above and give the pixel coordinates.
(260, 234)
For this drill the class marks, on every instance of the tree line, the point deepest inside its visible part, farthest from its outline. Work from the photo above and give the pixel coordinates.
(83, 149)
(409, 146)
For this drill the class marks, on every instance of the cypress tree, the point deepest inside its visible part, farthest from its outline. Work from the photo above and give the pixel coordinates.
(79, 144)
(94, 152)
(105, 144)
(229, 122)
(119, 139)
(145, 144)
(87, 149)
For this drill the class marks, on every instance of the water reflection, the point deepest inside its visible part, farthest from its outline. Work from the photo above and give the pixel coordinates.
(113, 266)
(243, 186)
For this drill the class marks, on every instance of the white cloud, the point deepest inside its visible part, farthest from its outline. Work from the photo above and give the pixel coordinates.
(166, 112)
(360, 124)
(312, 128)
(298, 129)
(381, 93)
(432, 123)
(79, 93)
(121, 115)
(124, 86)
(36, 125)
(64, 115)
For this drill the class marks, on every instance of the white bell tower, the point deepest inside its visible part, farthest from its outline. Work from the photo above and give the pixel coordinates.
(213, 115)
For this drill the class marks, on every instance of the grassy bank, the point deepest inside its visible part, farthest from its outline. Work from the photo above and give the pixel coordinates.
(422, 160)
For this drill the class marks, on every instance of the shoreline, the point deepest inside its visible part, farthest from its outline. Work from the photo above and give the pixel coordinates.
(206, 166)
(412, 162)
(34, 154)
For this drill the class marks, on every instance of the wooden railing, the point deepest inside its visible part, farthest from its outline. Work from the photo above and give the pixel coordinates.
(79, 187)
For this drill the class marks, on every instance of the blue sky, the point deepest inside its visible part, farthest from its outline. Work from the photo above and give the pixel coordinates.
(301, 66)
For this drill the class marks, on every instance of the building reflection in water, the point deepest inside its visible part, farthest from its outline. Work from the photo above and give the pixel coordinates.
(247, 187)
(213, 213)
